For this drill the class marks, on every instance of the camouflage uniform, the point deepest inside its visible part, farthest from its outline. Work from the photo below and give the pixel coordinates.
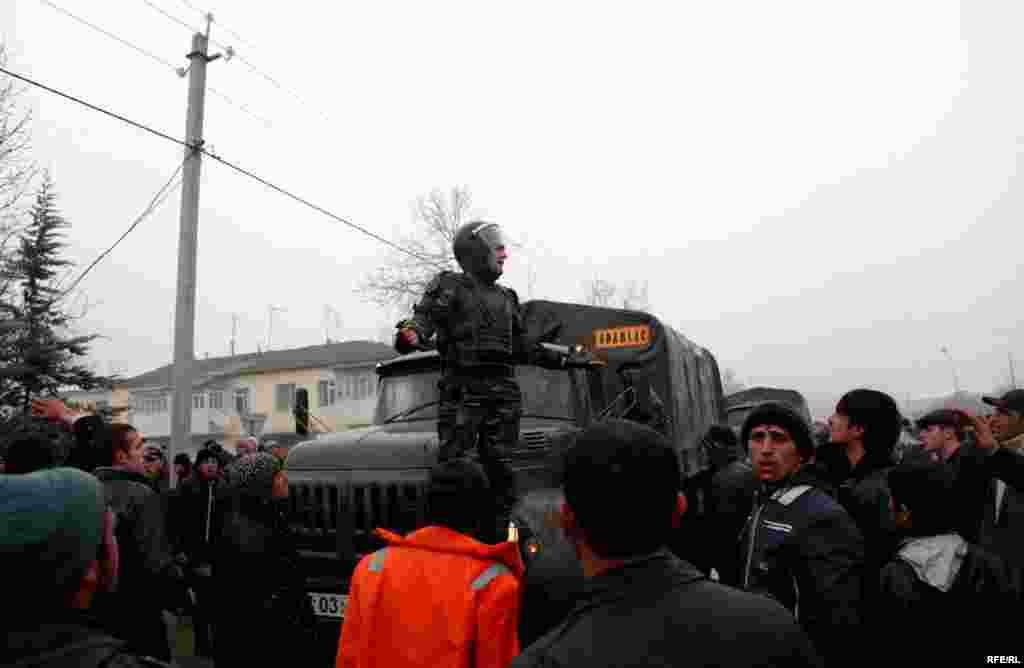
(480, 338)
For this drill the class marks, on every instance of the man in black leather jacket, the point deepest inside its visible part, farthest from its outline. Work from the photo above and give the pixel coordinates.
(641, 605)
(936, 581)
(150, 581)
(799, 546)
(57, 539)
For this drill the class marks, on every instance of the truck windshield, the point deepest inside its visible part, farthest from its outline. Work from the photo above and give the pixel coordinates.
(400, 398)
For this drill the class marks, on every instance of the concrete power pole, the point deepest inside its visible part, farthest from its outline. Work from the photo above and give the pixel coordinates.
(185, 309)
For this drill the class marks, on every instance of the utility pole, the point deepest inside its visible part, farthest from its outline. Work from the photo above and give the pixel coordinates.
(185, 305)
(271, 310)
(1013, 377)
(234, 332)
(952, 366)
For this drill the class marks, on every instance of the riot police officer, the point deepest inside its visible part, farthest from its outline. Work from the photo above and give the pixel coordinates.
(480, 335)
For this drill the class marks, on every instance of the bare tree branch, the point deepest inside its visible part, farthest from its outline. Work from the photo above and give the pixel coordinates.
(401, 279)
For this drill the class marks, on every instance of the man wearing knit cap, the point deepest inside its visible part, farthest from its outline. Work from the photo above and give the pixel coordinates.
(641, 605)
(799, 545)
(196, 519)
(57, 539)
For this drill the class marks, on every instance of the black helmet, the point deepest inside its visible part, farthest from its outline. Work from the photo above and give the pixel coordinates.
(476, 245)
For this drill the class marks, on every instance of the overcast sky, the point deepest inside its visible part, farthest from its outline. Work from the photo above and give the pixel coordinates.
(823, 194)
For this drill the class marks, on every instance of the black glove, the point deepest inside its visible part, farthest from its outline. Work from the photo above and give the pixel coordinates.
(579, 358)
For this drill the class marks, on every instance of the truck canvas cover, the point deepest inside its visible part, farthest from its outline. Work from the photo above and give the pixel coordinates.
(684, 376)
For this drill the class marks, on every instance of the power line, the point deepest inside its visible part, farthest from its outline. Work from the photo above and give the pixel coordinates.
(319, 209)
(111, 35)
(171, 17)
(66, 96)
(155, 203)
(241, 107)
(209, 15)
(241, 58)
(228, 164)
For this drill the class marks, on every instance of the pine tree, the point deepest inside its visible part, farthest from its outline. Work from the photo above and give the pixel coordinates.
(42, 356)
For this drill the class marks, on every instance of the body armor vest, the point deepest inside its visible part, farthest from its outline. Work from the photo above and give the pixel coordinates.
(484, 327)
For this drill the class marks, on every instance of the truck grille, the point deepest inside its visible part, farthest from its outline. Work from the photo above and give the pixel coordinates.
(535, 439)
(320, 509)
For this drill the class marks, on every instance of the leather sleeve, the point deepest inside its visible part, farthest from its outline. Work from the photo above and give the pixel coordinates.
(433, 310)
(827, 563)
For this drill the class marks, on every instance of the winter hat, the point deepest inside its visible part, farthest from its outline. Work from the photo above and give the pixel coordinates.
(30, 452)
(204, 454)
(253, 475)
(780, 415)
(51, 525)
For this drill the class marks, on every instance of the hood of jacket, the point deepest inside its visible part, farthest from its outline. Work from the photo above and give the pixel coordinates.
(448, 541)
(112, 473)
(936, 560)
(72, 638)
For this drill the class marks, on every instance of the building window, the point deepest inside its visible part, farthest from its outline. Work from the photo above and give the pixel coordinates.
(284, 397)
(328, 393)
(242, 400)
(217, 400)
(198, 401)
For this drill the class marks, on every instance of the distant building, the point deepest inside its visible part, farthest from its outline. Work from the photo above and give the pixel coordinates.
(254, 394)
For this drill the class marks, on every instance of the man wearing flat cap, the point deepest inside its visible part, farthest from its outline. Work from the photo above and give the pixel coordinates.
(1002, 529)
(57, 541)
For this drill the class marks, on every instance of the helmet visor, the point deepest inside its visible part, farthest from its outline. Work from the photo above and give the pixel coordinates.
(491, 235)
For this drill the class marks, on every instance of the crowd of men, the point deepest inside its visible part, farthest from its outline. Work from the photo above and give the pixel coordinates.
(791, 550)
(103, 550)
(795, 552)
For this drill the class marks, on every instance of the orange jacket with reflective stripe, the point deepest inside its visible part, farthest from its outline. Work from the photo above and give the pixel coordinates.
(435, 599)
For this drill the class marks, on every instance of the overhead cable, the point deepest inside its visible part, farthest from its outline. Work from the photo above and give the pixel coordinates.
(178, 70)
(229, 164)
(154, 204)
(111, 35)
(240, 57)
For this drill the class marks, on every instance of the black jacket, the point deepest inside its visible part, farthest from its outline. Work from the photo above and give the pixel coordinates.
(72, 639)
(801, 548)
(258, 585)
(660, 611)
(196, 519)
(863, 491)
(980, 609)
(148, 581)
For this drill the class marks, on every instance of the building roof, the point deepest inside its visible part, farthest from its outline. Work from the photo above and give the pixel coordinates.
(310, 357)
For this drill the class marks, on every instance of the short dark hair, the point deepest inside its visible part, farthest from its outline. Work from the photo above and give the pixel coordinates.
(30, 452)
(459, 496)
(879, 416)
(115, 437)
(621, 480)
(927, 490)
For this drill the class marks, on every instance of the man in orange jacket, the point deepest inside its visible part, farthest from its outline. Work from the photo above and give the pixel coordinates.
(437, 597)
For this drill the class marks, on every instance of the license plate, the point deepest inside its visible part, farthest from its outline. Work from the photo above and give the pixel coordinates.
(329, 605)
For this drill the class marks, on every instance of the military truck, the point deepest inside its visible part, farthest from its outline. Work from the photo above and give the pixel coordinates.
(739, 404)
(344, 485)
